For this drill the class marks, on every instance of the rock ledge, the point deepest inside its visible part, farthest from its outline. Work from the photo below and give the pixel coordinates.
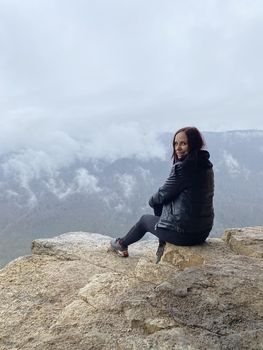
(72, 293)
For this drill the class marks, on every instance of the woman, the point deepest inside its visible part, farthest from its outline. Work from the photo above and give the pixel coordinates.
(183, 206)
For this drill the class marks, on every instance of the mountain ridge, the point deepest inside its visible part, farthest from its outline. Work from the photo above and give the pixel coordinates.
(108, 196)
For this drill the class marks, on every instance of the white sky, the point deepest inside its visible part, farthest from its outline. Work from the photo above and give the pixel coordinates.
(82, 77)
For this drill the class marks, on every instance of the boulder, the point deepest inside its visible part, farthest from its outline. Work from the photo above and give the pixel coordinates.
(246, 241)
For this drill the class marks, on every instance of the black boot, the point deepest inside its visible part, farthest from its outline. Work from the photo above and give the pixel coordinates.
(160, 251)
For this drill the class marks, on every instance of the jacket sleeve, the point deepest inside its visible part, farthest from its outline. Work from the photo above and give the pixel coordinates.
(174, 184)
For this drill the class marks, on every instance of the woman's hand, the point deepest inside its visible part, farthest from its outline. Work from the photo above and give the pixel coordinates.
(151, 202)
(157, 208)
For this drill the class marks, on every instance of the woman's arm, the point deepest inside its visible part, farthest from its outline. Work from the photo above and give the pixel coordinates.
(174, 184)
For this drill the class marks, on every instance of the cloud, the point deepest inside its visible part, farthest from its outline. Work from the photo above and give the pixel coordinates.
(231, 163)
(27, 166)
(23, 170)
(122, 140)
(19, 170)
(45, 152)
(122, 207)
(83, 182)
(127, 182)
(104, 78)
(86, 182)
(233, 166)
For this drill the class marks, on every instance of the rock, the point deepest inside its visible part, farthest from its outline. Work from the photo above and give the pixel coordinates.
(183, 257)
(246, 241)
(72, 293)
(70, 246)
(148, 271)
(103, 291)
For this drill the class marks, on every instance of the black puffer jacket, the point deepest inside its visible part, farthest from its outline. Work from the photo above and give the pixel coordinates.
(187, 196)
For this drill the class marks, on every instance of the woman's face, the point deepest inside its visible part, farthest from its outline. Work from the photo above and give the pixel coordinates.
(181, 145)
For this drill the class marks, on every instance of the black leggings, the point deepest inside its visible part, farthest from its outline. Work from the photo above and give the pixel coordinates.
(147, 224)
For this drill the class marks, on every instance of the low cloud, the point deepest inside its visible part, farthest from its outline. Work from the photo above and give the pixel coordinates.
(231, 163)
(83, 183)
(28, 165)
(120, 141)
(44, 154)
(233, 166)
(127, 183)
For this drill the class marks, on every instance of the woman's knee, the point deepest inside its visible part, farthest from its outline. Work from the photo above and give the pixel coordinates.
(142, 221)
(144, 217)
(147, 222)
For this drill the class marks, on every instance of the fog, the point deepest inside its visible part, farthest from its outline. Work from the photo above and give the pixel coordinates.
(87, 79)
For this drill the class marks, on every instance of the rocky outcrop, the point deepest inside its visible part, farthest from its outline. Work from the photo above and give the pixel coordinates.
(72, 293)
(246, 241)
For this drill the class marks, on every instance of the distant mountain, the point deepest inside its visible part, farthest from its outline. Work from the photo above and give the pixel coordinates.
(109, 196)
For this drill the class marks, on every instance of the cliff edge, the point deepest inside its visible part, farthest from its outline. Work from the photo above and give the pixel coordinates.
(72, 293)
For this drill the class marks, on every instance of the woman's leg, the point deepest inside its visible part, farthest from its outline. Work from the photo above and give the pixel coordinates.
(158, 212)
(145, 224)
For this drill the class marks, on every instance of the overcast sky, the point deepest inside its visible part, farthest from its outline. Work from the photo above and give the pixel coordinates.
(82, 77)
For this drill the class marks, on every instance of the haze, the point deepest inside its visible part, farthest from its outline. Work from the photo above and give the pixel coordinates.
(82, 79)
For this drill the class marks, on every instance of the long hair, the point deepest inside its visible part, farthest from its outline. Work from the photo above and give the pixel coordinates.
(195, 141)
